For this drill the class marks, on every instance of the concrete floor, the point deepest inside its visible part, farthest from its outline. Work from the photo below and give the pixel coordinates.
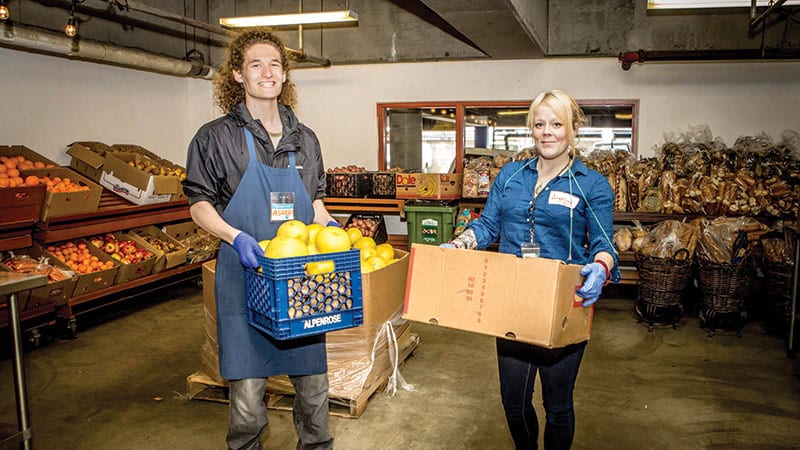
(121, 384)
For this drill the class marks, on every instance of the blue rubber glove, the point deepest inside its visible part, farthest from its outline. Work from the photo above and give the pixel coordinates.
(334, 223)
(595, 274)
(248, 250)
(447, 245)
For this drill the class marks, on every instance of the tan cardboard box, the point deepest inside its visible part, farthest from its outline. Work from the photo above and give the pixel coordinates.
(164, 260)
(57, 204)
(530, 300)
(134, 185)
(383, 293)
(430, 186)
(30, 155)
(87, 158)
(54, 292)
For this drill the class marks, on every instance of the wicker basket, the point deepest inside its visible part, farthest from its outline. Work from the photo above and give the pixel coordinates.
(779, 289)
(724, 286)
(662, 281)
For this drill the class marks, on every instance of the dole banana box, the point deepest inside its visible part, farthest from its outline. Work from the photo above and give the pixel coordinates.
(428, 186)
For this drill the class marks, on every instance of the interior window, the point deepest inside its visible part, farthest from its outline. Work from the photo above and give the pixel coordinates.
(439, 137)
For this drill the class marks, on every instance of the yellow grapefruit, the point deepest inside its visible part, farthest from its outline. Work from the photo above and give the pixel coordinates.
(312, 249)
(385, 251)
(313, 229)
(319, 267)
(332, 239)
(293, 229)
(364, 242)
(376, 262)
(264, 244)
(284, 247)
(367, 253)
(354, 234)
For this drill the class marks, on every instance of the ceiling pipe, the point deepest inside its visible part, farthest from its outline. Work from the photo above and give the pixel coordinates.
(13, 35)
(754, 21)
(298, 55)
(628, 58)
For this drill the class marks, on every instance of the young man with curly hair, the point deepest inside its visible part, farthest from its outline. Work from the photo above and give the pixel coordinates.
(247, 172)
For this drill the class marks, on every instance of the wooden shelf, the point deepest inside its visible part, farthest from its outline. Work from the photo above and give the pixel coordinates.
(12, 240)
(114, 214)
(365, 205)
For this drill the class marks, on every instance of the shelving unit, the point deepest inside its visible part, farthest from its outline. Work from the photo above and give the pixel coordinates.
(113, 214)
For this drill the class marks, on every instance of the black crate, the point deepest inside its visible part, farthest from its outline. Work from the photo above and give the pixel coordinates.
(349, 185)
(383, 184)
(379, 234)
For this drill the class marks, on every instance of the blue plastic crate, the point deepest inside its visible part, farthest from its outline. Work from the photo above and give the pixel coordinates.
(286, 302)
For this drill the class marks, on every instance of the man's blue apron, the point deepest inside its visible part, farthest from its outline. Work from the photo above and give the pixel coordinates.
(245, 352)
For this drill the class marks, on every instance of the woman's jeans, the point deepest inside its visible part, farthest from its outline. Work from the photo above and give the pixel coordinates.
(518, 363)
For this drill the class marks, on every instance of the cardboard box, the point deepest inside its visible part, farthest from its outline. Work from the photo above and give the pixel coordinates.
(90, 282)
(130, 271)
(209, 351)
(429, 186)
(53, 294)
(383, 293)
(88, 157)
(132, 148)
(134, 185)
(530, 300)
(17, 150)
(164, 260)
(58, 204)
(200, 245)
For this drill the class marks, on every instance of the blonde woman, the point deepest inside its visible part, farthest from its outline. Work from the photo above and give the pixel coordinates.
(564, 210)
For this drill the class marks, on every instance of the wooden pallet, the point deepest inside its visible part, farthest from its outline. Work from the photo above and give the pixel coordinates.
(201, 387)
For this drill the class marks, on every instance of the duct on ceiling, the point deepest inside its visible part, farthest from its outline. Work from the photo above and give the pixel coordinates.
(25, 38)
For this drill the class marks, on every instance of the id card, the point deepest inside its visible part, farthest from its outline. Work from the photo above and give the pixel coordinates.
(281, 206)
(530, 250)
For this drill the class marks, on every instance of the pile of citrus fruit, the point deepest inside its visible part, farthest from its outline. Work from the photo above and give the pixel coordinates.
(78, 257)
(10, 167)
(294, 238)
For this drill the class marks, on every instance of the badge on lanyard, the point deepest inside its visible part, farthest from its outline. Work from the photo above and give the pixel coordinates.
(281, 206)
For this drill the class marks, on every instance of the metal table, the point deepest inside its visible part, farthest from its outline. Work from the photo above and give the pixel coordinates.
(10, 284)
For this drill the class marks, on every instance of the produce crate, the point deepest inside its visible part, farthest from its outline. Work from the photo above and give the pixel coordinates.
(87, 158)
(429, 186)
(430, 224)
(286, 302)
(90, 282)
(128, 271)
(383, 184)
(21, 150)
(54, 293)
(200, 245)
(164, 259)
(370, 225)
(58, 204)
(349, 185)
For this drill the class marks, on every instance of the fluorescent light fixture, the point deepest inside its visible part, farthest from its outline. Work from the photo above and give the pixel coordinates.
(686, 4)
(290, 19)
(513, 112)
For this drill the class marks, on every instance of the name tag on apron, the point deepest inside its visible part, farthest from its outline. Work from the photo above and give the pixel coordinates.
(563, 199)
(281, 206)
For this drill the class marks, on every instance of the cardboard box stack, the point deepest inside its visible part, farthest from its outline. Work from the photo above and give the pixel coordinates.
(358, 358)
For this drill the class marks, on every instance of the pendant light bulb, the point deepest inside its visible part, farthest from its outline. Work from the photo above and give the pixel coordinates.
(72, 27)
(3, 11)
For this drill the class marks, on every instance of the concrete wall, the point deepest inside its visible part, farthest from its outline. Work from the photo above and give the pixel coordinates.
(50, 102)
